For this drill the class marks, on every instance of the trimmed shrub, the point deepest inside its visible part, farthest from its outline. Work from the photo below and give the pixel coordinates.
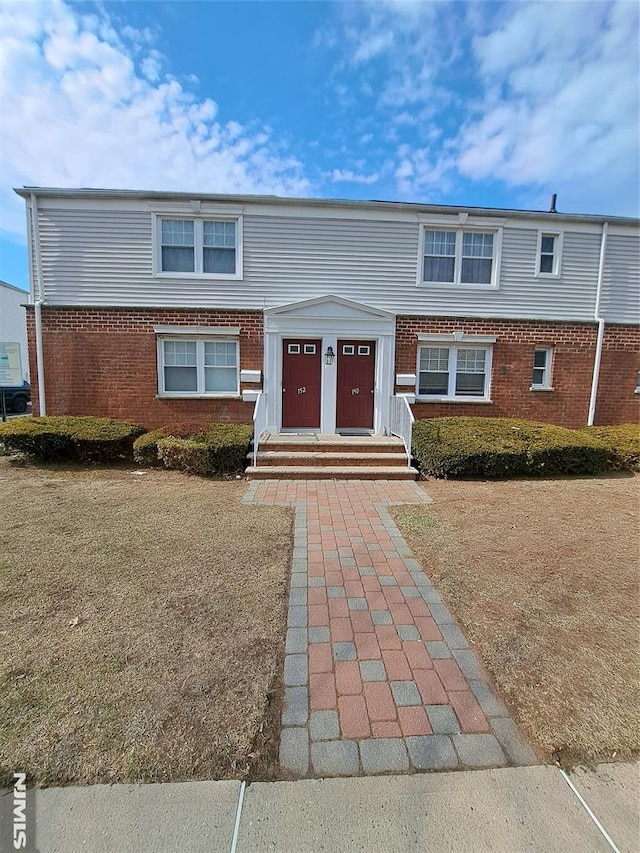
(228, 445)
(190, 455)
(623, 443)
(218, 449)
(145, 448)
(494, 448)
(83, 439)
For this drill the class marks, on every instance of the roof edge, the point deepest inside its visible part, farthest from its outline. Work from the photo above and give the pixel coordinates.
(415, 207)
(14, 287)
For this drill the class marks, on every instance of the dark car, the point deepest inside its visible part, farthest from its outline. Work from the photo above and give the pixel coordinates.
(16, 398)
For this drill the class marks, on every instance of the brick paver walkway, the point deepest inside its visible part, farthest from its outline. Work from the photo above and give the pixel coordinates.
(378, 677)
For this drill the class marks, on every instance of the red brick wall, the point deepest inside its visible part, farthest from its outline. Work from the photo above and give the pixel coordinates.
(102, 361)
(617, 401)
(574, 351)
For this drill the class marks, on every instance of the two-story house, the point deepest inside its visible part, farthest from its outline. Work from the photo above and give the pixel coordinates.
(165, 307)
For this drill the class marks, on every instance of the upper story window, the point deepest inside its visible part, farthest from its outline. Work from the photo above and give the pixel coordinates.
(461, 257)
(209, 247)
(178, 245)
(549, 254)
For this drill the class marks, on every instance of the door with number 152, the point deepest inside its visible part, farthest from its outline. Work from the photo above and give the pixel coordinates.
(301, 381)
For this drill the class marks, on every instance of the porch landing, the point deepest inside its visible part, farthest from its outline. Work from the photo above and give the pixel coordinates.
(331, 457)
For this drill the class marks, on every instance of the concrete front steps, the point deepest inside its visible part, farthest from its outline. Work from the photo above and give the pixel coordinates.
(331, 457)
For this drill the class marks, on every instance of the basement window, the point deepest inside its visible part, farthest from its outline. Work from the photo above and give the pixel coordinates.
(542, 360)
(197, 367)
(454, 373)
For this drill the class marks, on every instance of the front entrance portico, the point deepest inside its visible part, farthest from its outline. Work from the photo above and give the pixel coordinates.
(356, 382)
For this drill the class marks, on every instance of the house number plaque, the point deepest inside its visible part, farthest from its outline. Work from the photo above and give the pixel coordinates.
(302, 390)
(355, 390)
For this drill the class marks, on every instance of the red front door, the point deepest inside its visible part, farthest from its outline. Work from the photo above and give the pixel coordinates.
(356, 384)
(301, 380)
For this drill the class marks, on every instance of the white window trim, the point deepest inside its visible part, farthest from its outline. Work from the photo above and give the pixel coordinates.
(198, 331)
(457, 337)
(557, 254)
(548, 371)
(197, 219)
(451, 396)
(494, 228)
(200, 370)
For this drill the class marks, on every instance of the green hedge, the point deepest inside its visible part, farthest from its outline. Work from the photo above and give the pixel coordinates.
(145, 448)
(71, 438)
(184, 454)
(623, 443)
(218, 449)
(228, 445)
(494, 448)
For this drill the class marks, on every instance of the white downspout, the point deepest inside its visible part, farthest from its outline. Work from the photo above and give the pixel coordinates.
(600, 321)
(38, 305)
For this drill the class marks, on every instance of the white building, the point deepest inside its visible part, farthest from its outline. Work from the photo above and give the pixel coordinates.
(13, 320)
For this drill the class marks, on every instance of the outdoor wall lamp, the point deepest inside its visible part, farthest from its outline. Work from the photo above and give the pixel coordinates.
(329, 356)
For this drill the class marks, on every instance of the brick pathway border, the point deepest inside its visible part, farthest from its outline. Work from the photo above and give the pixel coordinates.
(378, 677)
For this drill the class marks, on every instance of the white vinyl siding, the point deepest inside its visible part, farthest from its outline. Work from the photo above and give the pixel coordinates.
(453, 373)
(13, 321)
(94, 256)
(621, 280)
(197, 367)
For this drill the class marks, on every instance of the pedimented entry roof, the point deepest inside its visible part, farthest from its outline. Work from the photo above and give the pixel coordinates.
(330, 306)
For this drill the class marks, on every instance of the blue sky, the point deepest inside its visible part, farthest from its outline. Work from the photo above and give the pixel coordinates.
(473, 103)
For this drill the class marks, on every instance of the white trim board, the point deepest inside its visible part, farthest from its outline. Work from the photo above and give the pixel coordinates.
(224, 331)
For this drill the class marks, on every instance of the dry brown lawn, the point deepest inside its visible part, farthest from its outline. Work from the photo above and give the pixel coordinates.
(543, 576)
(141, 625)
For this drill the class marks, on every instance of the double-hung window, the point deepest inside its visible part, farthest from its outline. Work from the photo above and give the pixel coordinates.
(460, 257)
(454, 372)
(198, 367)
(208, 247)
(549, 254)
(541, 380)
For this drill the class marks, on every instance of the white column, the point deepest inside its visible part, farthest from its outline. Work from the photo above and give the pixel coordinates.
(329, 386)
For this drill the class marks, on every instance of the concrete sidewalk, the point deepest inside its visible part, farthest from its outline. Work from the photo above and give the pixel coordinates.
(510, 809)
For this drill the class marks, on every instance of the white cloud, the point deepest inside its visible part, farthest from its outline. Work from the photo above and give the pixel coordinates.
(347, 176)
(561, 104)
(536, 96)
(84, 105)
(421, 168)
(371, 46)
(404, 37)
(151, 66)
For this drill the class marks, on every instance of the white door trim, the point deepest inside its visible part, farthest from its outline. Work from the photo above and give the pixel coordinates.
(330, 319)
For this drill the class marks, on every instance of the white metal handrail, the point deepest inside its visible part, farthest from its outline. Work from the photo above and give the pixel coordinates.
(402, 422)
(259, 423)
